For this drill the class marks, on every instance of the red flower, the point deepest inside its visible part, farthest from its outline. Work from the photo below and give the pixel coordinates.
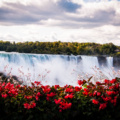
(113, 81)
(56, 86)
(90, 94)
(46, 89)
(13, 92)
(95, 92)
(86, 91)
(47, 98)
(37, 82)
(32, 105)
(69, 90)
(111, 87)
(51, 94)
(110, 92)
(77, 88)
(4, 95)
(18, 86)
(8, 85)
(102, 106)
(106, 98)
(36, 97)
(38, 94)
(3, 84)
(69, 105)
(98, 83)
(107, 81)
(98, 93)
(80, 82)
(117, 86)
(26, 105)
(57, 101)
(0, 88)
(69, 96)
(95, 101)
(60, 110)
(88, 86)
(65, 105)
(28, 97)
(114, 101)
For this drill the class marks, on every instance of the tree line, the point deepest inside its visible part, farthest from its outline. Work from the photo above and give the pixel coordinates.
(59, 47)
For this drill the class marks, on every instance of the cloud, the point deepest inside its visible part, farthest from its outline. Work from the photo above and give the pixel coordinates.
(67, 14)
(17, 13)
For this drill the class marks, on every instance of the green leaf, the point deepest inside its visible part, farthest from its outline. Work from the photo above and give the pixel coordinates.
(85, 85)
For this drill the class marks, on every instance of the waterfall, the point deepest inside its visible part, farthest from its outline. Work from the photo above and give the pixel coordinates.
(55, 69)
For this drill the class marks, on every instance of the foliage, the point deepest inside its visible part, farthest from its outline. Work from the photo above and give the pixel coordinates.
(60, 48)
(38, 101)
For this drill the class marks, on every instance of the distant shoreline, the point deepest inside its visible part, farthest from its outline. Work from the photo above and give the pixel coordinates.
(61, 48)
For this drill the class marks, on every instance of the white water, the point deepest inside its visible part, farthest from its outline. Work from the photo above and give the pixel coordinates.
(54, 69)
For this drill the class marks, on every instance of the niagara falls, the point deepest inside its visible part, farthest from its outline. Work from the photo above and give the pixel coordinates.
(58, 69)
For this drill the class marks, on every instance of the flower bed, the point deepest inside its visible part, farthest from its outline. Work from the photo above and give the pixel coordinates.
(87, 101)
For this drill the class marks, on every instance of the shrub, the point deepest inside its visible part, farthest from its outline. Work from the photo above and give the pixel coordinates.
(85, 101)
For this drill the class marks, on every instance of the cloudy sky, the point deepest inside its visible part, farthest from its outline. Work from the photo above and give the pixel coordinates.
(60, 20)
